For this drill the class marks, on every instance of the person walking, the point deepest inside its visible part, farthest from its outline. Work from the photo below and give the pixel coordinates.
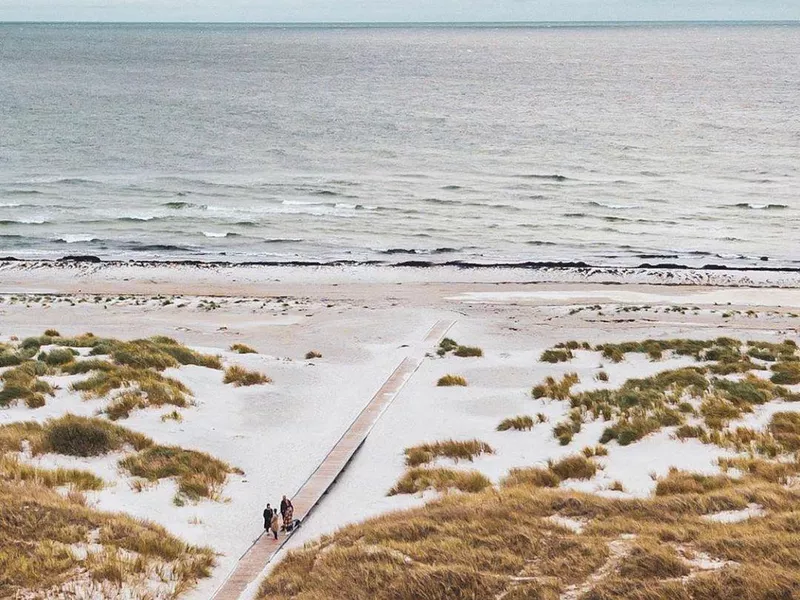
(285, 503)
(267, 517)
(274, 523)
(288, 518)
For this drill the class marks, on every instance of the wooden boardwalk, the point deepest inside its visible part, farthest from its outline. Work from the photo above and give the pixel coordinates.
(256, 558)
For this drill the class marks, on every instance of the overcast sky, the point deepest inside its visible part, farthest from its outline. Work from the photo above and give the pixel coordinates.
(395, 10)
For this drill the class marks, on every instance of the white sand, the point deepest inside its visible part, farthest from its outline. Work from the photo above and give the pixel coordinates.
(364, 327)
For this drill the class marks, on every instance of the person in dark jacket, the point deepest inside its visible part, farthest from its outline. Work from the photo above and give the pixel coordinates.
(267, 517)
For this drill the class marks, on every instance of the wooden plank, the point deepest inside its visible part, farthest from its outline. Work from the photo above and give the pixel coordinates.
(256, 558)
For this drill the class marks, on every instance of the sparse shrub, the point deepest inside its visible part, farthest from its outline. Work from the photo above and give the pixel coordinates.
(311, 354)
(57, 356)
(451, 380)
(616, 486)
(22, 383)
(682, 482)
(653, 561)
(420, 479)
(786, 373)
(556, 389)
(556, 355)
(520, 423)
(243, 349)
(576, 466)
(52, 333)
(172, 416)
(533, 476)
(199, 474)
(239, 376)
(689, 431)
(602, 376)
(453, 449)
(785, 428)
(468, 351)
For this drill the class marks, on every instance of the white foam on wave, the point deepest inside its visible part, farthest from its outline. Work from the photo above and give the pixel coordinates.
(215, 234)
(9, 204)
(74, 238)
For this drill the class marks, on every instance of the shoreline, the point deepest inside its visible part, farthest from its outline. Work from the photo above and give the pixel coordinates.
(300, 277)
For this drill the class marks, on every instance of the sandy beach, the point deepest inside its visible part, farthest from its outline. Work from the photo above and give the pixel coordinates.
(364, 322)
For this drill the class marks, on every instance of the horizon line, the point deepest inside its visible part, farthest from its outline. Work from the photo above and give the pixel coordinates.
(412, 23)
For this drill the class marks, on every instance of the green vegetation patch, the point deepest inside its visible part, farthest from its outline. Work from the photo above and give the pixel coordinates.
(199, 475)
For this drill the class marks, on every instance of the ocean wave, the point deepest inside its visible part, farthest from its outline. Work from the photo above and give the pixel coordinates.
(613, 206)
(10, 204)
(443, 250)
(74, 238)
(24, 192)
(753, 206)
(181, 205)
(452, 187)
(23, 221)
(140, 247)
(540, 243)
(551, 177)
(223, 234)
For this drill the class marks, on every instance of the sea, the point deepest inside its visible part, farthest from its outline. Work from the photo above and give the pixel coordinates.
(607, 144)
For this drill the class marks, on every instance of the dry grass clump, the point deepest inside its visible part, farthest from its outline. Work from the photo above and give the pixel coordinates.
(52, 333)
(40, 529)
(311, 354)
(449, 345)
(419, 479)
(785, 428)
(650, 560)
(239, 376)
(14, 471)
(57, 356)
(451, 380)
(531, 476)
(243, 349)
(519, 423)
(576, 466)
(642, 406)
(628, 549)
(22, 383)
(556, 389)
(453, 449)
(683, 482)
(70, 435)
(556, 355)
(468, 351)
(157, 353)
(786, 373)
(139, 388)
(199, 475)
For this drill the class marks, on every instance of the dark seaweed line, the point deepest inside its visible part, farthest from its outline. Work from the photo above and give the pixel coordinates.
(421, 264)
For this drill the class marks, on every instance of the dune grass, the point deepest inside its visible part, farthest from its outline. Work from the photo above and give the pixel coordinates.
(453, 449)
(518, 423)
(531, 476)
(70, 435)
(451, 380)
(14, 471)
(629, 549)
(419, 479)
(137, 387)
(448, 345)
(312, 354)
(22, 383)
(556, 355)
(243, 349)
(239, 376)
(198, 474)
(556, 389)
(573, 467)
(40, 528)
